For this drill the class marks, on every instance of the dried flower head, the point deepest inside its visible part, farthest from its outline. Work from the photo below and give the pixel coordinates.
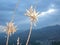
(32, 14)
(10, 28)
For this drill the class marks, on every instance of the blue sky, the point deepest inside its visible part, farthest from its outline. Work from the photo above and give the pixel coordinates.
(43, 6)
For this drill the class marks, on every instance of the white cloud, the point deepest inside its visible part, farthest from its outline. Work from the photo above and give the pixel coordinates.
(49, 11)
(2, 28)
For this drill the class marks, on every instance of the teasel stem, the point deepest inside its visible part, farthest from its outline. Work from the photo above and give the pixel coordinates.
(7, 40)
(15, 11)
(29, 34)
(18, 41)
(12, 20)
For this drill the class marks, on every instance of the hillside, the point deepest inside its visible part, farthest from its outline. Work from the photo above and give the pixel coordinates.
(43, 34)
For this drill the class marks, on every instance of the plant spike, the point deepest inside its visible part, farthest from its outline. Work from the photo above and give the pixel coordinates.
(10, 29)
(33, 15)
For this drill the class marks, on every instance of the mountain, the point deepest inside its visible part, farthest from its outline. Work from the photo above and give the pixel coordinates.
(50, 32)
(42, 34)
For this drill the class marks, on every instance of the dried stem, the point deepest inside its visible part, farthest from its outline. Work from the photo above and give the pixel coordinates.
(18, 41)
(15, 10)
(29, 34)
(11, 27)
(7, 40)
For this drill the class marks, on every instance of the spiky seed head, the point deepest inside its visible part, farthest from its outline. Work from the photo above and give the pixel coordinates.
(32, 14)
(10, 28)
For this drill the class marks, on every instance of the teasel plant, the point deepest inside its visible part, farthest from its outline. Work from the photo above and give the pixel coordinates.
(10, 27)
(33, 15)
(18, 41)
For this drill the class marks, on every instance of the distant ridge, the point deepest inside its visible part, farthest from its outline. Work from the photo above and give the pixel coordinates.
(46, 33)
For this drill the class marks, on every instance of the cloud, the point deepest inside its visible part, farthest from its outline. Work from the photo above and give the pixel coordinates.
(2, 28)
(49, 11)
